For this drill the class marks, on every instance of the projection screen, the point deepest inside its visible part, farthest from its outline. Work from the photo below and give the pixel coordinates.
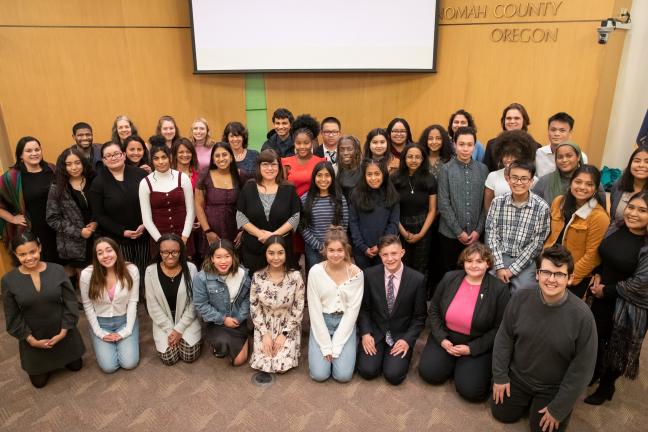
(305, 35)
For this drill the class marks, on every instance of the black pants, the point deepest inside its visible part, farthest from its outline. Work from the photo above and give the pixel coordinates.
(603, 310)
(472, 375)
(450, 250)
(394, 368)
(580, 289)
(524, 400)
(39, 380)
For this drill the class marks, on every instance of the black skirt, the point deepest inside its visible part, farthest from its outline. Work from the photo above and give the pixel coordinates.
(227, 341)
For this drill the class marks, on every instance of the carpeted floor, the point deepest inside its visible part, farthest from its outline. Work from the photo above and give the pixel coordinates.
(210, 395)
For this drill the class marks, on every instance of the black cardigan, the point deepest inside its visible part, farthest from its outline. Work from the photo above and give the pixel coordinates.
(491, 302)
(286, 204)
(115, 205)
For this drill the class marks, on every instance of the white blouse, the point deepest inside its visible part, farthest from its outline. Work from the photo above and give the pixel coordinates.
(324, 296)
(124, 302)
(166, 182)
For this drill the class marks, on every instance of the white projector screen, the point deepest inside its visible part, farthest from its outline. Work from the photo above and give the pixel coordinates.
(303, 35)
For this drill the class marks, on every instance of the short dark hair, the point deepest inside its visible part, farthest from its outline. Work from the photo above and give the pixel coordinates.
(562, 117)
(237, 129)
(268, 155)
(80, 125)
(558, 255)
(479, 248)
(516, 143)
(525, 165)
(526, 121)
(469, 119)
(157, 140)
(208, 265)
(466, 130)
(331, 120)
(283, 113)
(388, 240)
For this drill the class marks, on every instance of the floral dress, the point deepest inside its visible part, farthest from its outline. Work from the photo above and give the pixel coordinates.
(276, 308)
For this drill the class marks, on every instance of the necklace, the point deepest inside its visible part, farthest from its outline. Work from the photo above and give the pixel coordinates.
(240, 156)
(166, 272)
(409, 180)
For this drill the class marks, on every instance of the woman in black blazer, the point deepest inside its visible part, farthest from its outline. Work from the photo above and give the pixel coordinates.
(266, 206)
(466, 312)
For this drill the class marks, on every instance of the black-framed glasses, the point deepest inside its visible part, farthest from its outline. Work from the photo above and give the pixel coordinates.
(558, 276)
(165, 254)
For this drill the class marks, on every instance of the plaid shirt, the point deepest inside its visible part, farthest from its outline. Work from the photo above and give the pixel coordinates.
(519, 232)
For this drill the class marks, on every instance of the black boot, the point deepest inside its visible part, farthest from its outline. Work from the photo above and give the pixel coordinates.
(600, 395)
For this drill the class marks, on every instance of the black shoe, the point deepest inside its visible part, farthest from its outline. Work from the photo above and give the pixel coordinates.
(219, 354)
(599, 396)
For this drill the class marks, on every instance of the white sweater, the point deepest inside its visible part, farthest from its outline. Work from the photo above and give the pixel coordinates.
(124, 302)
(326, 297)
(166, 182)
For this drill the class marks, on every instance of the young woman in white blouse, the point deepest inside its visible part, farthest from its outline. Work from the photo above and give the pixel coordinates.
(335, 289)
(110, 291)
(166, 200)
(176, 329)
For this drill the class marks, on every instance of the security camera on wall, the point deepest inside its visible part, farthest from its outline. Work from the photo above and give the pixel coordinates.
(610, 24)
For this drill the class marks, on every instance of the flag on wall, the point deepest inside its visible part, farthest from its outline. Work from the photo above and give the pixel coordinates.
(642, 138)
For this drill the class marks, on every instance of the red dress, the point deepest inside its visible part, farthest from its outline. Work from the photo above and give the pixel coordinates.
(169, 212)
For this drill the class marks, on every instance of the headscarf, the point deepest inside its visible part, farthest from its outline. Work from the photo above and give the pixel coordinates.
(555, 186)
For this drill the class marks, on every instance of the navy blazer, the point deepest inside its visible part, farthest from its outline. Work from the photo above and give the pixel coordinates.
(489, 310)
(408, 316)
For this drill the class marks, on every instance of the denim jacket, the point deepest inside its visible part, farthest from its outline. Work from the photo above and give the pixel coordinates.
(212, 299)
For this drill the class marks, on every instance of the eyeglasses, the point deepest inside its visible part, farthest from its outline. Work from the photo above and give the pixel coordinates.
(329, 132)
(115, 155)
(269, 165)
(521, 180)
(558, 276)
(165, 254)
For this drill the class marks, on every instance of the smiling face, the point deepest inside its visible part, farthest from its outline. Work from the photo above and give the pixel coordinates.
(222, 261)
(391, 257)
(183, 155)
(32, 155)
(566, 159)
(106, 255)
(269, 170)
(170, 253)
(519, 180)
(323, 180)
(168, 130)
(475, 266)
(374, 176)
(199, 131)
(464, 147)
(161, 161)
(413, 159)
(639, 166)
(378, 146)
(335, 252)
(123, 129)
(282, 127)
(83, 138)
(73, 166)
(235, 141)
(346, 152)
(28, 255)
(303, 146)
(222, 159)
(113, 157)
(513, 120)
(434, 141)
(554, 286)
(559, 132)
(276, 256)
(330, 133)
(134, 152)
(458, 121)
(635, 216)
(398, 134)
(582, 187)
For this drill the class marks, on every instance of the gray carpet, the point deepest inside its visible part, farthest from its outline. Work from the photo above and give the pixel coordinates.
(210, 395)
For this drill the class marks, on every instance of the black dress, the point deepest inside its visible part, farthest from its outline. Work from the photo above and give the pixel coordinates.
(36, 188)
(42, 314)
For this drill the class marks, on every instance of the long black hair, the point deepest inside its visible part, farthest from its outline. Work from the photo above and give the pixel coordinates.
(145, 156)
(62, 176)
(20, 147)
(626, 183)
(569, 205)
(363, 198)
(408, 131)
(446, 152)
(290, 264)
(233, 171)
(422, 176)
(183, 262)
(371, 135)
(334, 196)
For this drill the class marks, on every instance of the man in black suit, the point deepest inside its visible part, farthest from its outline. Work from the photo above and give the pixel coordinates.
(392, 314)
(331, 130)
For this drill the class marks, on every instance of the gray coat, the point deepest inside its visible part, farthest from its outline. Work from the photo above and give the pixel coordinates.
(64, 216)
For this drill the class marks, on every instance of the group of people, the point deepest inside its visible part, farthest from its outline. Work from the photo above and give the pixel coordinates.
(534, 291)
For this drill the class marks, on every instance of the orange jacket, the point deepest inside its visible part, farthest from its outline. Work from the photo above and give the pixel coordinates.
(583, 235)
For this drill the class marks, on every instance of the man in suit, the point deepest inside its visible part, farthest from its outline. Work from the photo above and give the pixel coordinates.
(392, 315)
(330, 129)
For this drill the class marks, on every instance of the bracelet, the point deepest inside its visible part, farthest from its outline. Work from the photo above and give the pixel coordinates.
(207, 231)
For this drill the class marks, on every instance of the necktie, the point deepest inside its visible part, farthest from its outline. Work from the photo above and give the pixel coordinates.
(391, 299)
(331, 156)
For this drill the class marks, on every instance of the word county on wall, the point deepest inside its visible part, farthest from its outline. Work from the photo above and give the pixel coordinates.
(500, 11)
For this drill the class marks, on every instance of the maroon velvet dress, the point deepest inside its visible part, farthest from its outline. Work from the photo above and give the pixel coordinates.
(220, 209)
(168, 211)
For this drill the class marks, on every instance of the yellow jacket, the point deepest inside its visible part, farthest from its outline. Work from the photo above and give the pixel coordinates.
(583, 235)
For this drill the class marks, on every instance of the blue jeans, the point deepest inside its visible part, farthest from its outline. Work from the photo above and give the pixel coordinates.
(340, 368)
(113, 355)
(312, 257)
(526, 278)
